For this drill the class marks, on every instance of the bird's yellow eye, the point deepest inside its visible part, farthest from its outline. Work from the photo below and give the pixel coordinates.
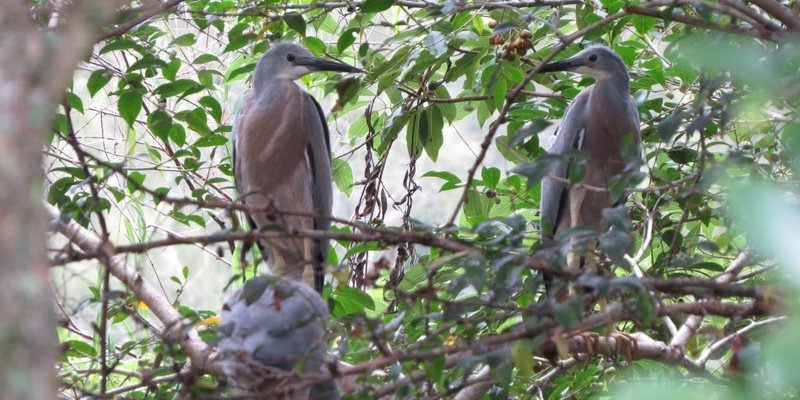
(593, 58)
(290, 57)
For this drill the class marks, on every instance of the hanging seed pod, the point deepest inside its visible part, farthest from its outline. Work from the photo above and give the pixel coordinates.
(525, 34)
(492, 24)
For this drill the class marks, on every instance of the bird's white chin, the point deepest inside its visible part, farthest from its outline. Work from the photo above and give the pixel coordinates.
(293, 73)
(584, 70)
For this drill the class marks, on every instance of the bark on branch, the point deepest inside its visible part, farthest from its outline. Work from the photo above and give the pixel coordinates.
(174, 324)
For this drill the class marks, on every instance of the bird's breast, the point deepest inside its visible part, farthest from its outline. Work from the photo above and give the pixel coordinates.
(273, 136)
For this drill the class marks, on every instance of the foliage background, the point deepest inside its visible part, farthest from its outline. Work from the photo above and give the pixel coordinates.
(431, 157)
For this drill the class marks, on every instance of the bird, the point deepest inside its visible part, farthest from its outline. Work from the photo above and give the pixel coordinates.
(281, 160)
(273, 324)
(602, 122)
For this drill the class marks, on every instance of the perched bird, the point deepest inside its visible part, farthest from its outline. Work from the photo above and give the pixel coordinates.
(602, 123)
(281, 160)
(274, 324)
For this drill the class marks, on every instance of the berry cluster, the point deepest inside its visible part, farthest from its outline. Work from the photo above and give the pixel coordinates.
(512, 42)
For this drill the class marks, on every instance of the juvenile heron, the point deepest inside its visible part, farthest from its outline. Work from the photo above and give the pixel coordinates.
(274, 325)
(281, 160)
(601, 121)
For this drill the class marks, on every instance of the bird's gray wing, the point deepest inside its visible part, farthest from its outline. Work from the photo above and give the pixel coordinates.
(319, 156)
(569, 135)
(633, 111)
(277, 323)
(633, 116)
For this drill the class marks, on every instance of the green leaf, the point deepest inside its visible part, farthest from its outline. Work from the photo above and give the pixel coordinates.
(181, 86)
(393, 63)
(171, 69)
(435, 43)
(56, 193)
(210, 141)
(392, 128)
(353, 296)
(160, 124)
(449, 111)
(434, 136)
(129, 105)
(97, 80)
(205, 58)
(643, 23)
(177, 134)
(451, 181)
(147, 62)
(445, 175)
(477, 207)
(74, 102)
(490, 176)
(499, 92)
(374, 6)
(522, 351)
(513, 74)
(435, 368)
(118, 44)
(346, 39)
(537, 169)
(78, 349)
(682, 155)
(137, 177)
(212, 105)
(184, 40)
(197, 120)
(314, 45)
(240, 72)
(462, 66)
(529, 130)
(414, 143)
(295, 22)
(343, 176)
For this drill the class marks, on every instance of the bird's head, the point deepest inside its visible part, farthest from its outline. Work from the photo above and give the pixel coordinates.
(292, 61)
(598, 62)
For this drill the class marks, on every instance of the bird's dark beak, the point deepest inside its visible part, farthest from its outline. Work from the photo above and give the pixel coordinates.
(319, 64)
(569, 64)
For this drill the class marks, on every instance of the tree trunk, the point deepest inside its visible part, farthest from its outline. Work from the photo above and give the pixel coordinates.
(27, 335)
(36, 65)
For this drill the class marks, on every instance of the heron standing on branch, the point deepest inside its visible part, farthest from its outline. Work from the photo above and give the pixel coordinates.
(281, 160)
(602, 122)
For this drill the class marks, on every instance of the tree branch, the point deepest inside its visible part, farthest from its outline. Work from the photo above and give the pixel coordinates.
(175, 328)
(687, 330)
(146, 14)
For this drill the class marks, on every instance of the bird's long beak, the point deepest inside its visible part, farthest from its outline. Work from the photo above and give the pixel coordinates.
(319, 64)
(570, 64)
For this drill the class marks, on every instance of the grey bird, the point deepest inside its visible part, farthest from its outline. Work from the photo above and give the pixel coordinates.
(274, 325)
(281, 160)
(601, 122)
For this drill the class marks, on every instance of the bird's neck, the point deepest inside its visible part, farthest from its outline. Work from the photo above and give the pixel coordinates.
(617, 82)
(267, 88)
(612, 87)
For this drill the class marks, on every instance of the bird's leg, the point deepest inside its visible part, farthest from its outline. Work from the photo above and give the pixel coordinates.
(278, 266)
(308, 263)
(576, 197)
(590, 261)
(574, 258)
